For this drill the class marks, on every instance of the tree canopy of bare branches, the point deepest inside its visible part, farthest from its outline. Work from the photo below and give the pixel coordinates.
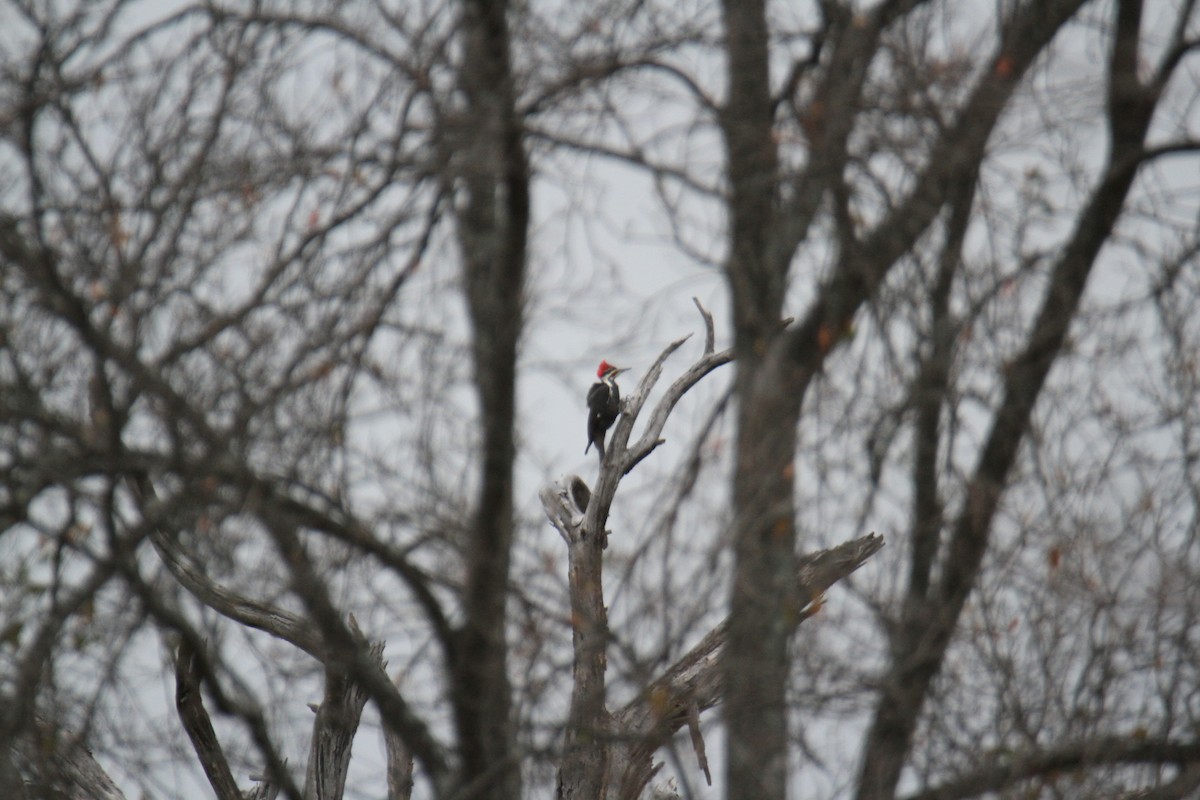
(298, 303)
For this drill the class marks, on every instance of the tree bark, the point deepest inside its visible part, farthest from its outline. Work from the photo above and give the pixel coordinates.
(399, 767)
(190, 706)
(581, 517)
(48, 762)
(333, 732)
(696, 682)
(493, 219)
(610, 756)
(764, 537)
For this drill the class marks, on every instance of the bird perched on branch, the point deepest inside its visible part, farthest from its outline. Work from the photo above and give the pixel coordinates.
(604, 404)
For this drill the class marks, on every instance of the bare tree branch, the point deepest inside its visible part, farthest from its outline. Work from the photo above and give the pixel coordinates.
(198, 666)
(190, 706)
(274, 621)
(57, 764)
(269, 619)
(694, 682)
(582, 772)
(79, 770)
(650, 438)
(399, 767)
(334, 728)
(264, 789)
(368, 669)
(1184, 785)
(920, 654)
(349, 652)
(1005, 771)
(693, 723)
(697, 681)
(17, 709)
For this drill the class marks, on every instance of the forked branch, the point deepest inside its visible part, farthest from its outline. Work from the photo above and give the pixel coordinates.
(623, 457)
(337, 721)
(611, 756)
(695, 680)
(651, 437)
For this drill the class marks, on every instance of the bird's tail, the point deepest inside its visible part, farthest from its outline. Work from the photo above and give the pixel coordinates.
(599, 448)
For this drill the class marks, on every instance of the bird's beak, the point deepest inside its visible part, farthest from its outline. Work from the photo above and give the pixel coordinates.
(619, 370)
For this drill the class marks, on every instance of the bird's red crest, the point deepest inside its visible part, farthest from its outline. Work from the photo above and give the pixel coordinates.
(604, 367)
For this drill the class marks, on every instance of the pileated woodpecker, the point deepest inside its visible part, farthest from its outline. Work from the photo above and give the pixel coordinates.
(604, 404)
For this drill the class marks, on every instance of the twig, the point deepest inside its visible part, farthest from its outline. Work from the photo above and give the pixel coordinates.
(693, 722)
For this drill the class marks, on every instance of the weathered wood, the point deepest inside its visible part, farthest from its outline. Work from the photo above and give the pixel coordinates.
(192, 577)
(693, 722)
(196, 723)
(696, 679)
(623, 744)
(580, 515)
(77, 768)
(399, 767)
(50, 762)
(582, 768)
(709, 361)
(263, 790)
(337, 721)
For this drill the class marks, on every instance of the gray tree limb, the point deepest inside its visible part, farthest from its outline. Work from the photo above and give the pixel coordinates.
(323, 635)
(1004, 772)
(399, 767)
(696, 681)
(491, 176)
(580, 515)
(347, 650)
(54, 764)
(261, 616)
(709, 361)
(921, 646)
(615, 752)
(196, 723)
(334, 728)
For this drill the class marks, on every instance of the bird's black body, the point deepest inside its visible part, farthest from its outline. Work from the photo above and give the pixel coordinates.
(604, 405)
